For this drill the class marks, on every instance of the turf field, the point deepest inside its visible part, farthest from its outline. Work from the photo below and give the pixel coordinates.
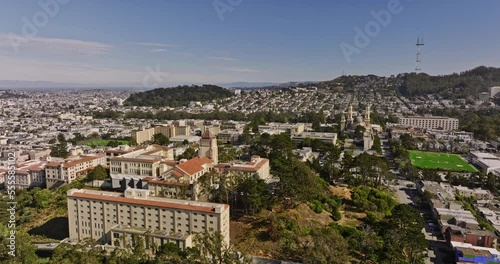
(440, 161)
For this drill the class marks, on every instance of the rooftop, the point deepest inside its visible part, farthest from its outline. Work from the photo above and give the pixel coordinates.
(146, 201)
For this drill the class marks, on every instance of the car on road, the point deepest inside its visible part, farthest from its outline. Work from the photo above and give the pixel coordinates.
(51, 244)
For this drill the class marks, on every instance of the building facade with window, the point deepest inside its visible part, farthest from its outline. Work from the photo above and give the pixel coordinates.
(430, 122)
(112, 218)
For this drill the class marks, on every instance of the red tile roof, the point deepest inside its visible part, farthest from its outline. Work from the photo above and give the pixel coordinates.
(135, 159)
(144, 202)
(254, 167)
(170, 162)
(81, 160)
(177, 174)
(193, 165)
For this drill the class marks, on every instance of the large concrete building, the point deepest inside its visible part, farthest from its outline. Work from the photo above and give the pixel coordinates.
(112, 218)
(321, 136)
(169, 130)
(430, 122)
(153, 167)
(278, 128)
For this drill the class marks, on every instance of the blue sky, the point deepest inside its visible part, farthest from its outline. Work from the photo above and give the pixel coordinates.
(168, 42)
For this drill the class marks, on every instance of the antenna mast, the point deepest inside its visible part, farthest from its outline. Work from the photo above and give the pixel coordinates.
(420, 44)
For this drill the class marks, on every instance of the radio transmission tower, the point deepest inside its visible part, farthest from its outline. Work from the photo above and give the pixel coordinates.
(420, 45)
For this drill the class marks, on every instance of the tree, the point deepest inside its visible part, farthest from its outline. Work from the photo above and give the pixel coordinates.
(60, 149)
(137, 247)
(358, 131)
(372, 170)
(327, 247)
(299, 181)
(226, 154)
(160, 139)
(214, 250)
(408, 141)
(86, 252)
(113, 143)
(98, 173)
(377, 146)
(42, 197)
(369, 243)
(332, 157)
(24, 251)
(169, 252)
(189, 153)
(405, 241)
(254, 194)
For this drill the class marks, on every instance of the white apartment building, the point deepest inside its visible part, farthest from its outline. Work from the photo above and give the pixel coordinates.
(112, 218)
(278, 128)
(57, 173)
(430, 122)
(324, 137)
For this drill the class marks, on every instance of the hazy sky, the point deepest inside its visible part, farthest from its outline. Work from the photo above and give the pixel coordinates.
(158, 43)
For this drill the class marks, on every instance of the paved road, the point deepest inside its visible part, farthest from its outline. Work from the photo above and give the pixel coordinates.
(46, 246)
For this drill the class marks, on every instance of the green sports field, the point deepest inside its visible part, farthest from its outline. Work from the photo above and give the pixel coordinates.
(440, 161)
(103, 142)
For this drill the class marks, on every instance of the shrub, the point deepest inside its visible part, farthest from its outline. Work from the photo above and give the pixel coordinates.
(316, 206)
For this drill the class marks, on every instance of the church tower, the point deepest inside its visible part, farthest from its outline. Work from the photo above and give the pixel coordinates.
(350, 119)
(368, 137)
(342, 123)
(208, 147)
(367, 114)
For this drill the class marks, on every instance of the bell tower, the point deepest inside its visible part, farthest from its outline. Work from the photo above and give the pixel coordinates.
(208, 146)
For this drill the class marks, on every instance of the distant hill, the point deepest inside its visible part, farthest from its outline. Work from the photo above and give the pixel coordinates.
(247, 84)
(457, 85)
(464, 84)
(177, 96)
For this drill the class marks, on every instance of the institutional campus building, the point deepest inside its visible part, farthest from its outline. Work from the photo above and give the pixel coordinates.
(430, 122)
(58, 173)
(171, 130)
(112, 218)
